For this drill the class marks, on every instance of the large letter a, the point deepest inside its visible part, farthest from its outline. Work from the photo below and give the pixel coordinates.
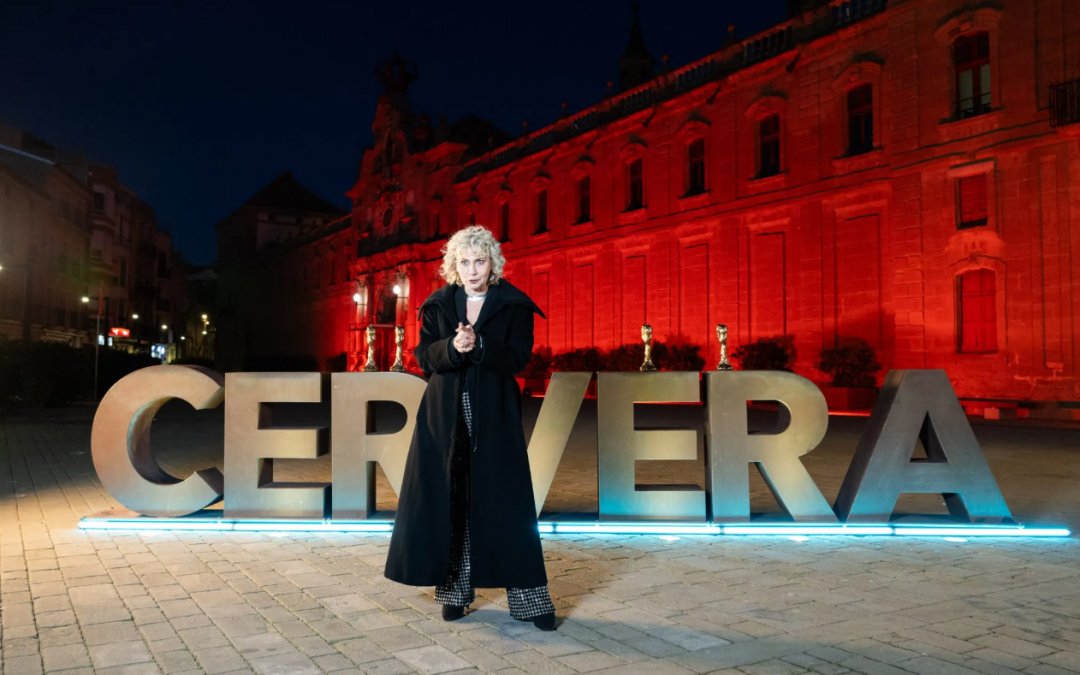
(919, 404)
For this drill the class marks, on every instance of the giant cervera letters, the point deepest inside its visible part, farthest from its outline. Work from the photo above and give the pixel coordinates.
(913, 405)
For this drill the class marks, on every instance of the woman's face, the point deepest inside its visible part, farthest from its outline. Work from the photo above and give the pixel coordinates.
(474, 268)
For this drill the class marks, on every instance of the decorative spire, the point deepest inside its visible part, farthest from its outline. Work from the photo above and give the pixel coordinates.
(396, 74)
(636, 64)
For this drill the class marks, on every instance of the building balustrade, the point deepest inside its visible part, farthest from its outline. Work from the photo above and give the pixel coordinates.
(1065, 103)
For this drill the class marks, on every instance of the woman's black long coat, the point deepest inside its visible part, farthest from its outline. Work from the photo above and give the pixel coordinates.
(505, 544)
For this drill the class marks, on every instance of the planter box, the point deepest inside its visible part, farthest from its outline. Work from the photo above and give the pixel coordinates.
(850, 398)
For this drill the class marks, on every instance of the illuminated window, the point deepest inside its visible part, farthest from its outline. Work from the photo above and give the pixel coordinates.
(977, 295)
(584, 186)
(860, 102)
(695, 170)
(971, 193)
(971, 58)
(504, 221)
(541, 212)
(635, 195)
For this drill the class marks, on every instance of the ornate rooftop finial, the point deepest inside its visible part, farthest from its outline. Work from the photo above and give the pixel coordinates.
(396, 74)
(636, 64)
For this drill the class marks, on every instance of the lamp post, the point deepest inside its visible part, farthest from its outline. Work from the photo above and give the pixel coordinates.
(97, 341)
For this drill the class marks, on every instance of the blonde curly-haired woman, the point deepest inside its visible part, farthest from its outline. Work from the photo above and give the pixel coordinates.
(466, 517)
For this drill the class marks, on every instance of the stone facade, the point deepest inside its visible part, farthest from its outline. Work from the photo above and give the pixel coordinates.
(70, 229)
(860, 171)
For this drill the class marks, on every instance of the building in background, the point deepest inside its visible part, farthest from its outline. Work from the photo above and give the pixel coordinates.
(198, 314)
(902, 175)
(68, 230)
(251, 327)
(44, 234)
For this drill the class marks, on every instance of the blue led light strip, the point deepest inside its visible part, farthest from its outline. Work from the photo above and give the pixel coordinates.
(547, 527)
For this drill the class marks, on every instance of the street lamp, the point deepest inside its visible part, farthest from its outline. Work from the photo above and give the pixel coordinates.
(135, 317)
(97, 338)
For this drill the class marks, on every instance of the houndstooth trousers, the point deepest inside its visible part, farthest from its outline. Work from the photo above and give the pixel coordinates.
(525, 603)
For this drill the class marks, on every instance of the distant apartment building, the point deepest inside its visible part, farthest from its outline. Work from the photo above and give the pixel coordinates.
(70, 230)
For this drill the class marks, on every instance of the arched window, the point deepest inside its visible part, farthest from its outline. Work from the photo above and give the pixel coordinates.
(860, 115)
(971, 59)
(695, 167)
(769, 146)
(977, 300)
(635, 192)
(584, 190)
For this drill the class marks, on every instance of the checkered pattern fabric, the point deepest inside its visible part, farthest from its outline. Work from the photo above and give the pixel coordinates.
(457, 590)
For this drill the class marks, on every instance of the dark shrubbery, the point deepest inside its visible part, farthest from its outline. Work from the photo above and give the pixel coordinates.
(280, 363)
(767, 353)
(853, 365)
(589, 359)
(676, 353)
(539, 367)
(338, 363)
(49, 374)
(193, 361)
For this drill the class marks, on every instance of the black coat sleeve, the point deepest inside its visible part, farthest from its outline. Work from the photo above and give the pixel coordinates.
(509, 357)
(435, 355)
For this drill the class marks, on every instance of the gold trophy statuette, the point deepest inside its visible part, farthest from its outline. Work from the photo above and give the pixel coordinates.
(370, 366)
(646, 337)
(721, 335)
(399, 339)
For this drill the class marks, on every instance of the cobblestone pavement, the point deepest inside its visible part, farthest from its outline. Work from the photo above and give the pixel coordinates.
(159, 602)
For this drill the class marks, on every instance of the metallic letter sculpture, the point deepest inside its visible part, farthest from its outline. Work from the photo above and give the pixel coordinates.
(355, 449)
(370, 366)
(919, 404)
(253, 445)
(776, 455)
(552, 431)
(120, 441)
(399, 341)
(721, 335)
(646, 337)
(620, 445)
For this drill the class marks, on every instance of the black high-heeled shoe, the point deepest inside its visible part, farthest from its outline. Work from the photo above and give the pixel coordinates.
(452, 612)
(545, 621)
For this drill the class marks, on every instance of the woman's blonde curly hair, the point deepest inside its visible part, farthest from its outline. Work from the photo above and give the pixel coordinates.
(472, 238)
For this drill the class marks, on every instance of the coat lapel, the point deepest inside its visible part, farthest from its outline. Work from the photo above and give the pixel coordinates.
(491, 304)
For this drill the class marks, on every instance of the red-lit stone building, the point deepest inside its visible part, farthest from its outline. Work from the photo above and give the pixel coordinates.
(908, 175)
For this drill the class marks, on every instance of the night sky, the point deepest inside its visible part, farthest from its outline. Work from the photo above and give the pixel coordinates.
(199, 104)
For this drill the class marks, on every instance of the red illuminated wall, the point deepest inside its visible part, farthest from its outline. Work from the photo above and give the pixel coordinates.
(835, 245)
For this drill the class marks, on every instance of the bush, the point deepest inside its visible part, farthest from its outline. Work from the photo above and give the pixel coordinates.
(539, 367)
(338, 363)
(193, 361)
(589, 359)
(279, 363)
(853, 365)
(49, 374)
(682, 354)
(767, 353)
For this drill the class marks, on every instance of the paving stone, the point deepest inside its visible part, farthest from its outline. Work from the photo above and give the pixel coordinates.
(219, 660)
(119, 654)
(432, 660)
(65, 657)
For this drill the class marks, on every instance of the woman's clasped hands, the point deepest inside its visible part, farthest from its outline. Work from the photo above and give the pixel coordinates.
(465, 338)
